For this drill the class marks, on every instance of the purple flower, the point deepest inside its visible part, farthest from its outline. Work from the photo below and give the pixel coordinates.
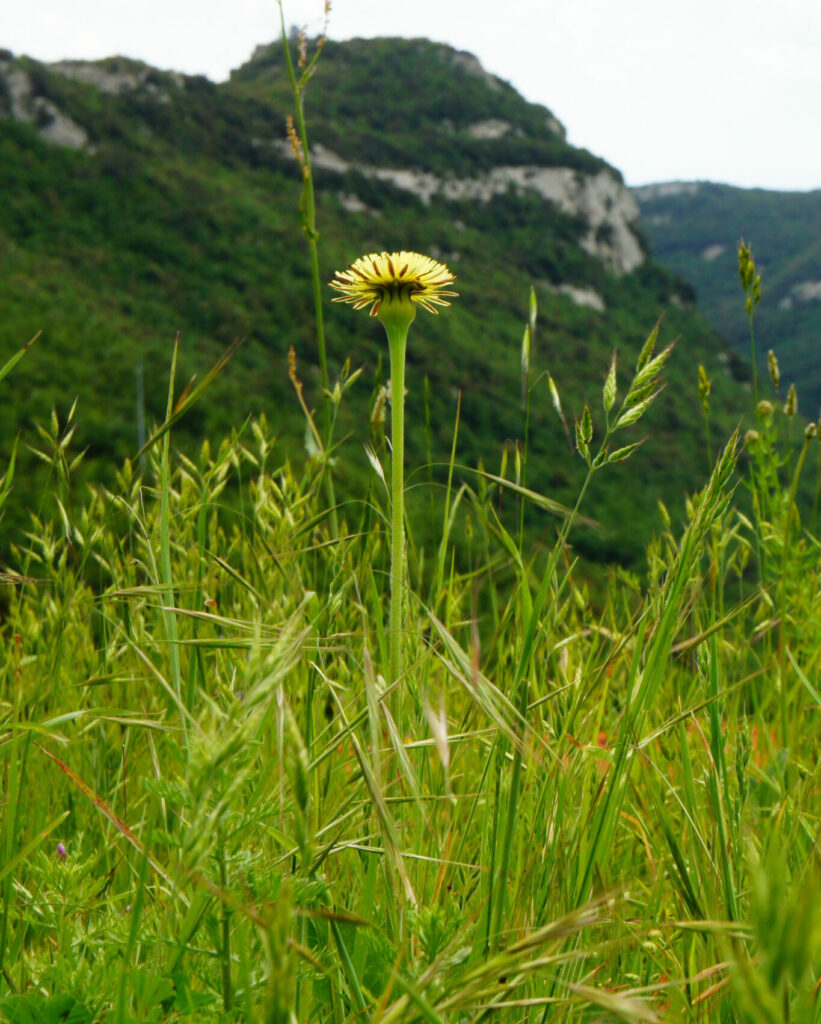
(62, 852)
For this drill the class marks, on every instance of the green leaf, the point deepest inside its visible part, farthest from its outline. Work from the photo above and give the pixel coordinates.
(548, 504)
(186, 1001)
(9, 365)
(426, 1011)
(33, 1008)
(190, 396)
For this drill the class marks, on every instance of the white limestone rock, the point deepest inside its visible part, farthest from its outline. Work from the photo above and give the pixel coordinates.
(18, 91)
(712, 252)
(326, 159)
(807, 291)
(420, 183)
(803, 291)
(52, 124)
(111, 80)
(353, 204)
(587, 297)
(118, 75)
(494, 128)
(600, 199)
(555, 127)
(58, 128)
(467, 62)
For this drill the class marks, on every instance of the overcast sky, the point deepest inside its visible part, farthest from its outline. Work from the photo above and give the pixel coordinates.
(723, 90)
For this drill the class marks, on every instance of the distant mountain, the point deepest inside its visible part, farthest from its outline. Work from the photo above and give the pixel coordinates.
(138, 202)
(694, 229)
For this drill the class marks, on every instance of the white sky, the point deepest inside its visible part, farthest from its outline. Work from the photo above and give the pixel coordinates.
(724, 90)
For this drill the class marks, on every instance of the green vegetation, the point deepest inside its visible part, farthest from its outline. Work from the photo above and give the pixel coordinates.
(219, 807)
(695, 232)
(181, 218)
(429, 96)
(220, 801)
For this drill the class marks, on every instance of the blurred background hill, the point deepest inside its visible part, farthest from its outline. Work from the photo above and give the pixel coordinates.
(138, 203)
(694, 229)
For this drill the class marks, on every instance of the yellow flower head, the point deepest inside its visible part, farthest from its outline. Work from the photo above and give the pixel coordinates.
(388, 279)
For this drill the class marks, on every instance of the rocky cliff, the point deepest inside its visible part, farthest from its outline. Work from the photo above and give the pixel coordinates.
(596, 197)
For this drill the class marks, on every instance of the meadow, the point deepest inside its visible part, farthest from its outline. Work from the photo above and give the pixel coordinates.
(272, 759)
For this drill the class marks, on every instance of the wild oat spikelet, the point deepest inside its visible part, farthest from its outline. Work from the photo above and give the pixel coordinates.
(704, 387)
(791, 405)
(775, 372)
(750, 281)
(378, 408)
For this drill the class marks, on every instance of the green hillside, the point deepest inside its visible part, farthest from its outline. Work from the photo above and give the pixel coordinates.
(174, 207)
(694, 228)
(274, 752)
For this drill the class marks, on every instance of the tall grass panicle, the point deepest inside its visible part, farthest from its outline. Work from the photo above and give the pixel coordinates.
(299, 76)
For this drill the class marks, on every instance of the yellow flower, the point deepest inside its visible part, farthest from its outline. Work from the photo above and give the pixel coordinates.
(395, 279)
(394, 284)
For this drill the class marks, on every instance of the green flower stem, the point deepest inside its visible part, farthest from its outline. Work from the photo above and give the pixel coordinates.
(394, 285)
(397, 340)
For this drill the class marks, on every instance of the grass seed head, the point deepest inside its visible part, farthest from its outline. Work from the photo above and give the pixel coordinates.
(775, 372)
(791, 405)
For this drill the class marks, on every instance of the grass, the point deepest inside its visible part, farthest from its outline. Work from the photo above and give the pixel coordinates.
(560, 811)
(220, 804)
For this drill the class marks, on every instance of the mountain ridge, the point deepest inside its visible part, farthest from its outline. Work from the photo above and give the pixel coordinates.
(695, 228)
(179, 212)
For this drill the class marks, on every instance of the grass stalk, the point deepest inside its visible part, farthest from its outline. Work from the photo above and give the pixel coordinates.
(166, 571)
(311, 232)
